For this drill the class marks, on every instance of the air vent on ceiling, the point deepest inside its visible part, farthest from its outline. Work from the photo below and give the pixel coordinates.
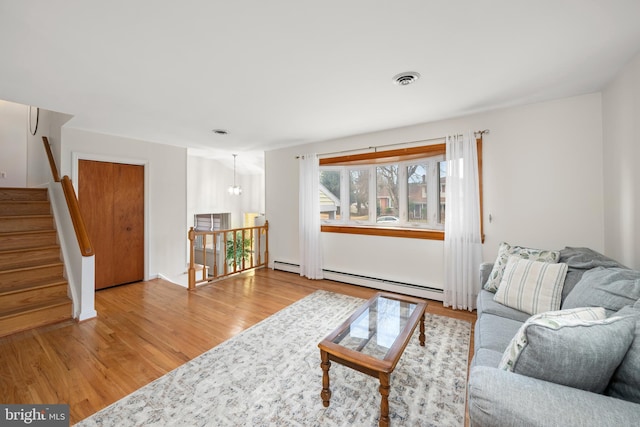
(404, 79)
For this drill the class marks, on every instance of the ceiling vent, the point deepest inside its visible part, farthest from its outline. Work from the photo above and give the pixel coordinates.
(404, 79)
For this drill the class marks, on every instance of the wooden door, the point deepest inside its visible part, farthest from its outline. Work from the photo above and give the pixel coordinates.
(111, 199)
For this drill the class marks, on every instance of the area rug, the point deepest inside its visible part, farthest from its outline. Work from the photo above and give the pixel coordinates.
(270, 375)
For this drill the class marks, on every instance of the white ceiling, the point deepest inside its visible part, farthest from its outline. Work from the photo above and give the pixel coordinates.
(285, 72)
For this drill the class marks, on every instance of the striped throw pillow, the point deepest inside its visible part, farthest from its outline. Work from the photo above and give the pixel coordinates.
(531, 286)
(505, 251)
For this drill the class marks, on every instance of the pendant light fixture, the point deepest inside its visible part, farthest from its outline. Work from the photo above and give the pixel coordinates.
(235, 190)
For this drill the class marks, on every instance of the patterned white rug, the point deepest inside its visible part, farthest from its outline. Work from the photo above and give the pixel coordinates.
(270, 375)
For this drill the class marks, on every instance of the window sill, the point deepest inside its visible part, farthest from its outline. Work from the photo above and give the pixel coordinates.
(385, 231)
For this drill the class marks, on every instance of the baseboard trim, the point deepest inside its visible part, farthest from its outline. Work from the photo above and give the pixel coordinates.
(369, 282)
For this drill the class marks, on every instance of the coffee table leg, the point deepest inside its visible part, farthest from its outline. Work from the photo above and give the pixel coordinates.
(422, 330)
(325, 394)
(384, 401)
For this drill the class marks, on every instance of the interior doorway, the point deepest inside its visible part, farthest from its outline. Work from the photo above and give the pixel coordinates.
(111, 200)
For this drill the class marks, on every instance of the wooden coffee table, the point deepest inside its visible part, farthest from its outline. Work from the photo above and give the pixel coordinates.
(372, 340)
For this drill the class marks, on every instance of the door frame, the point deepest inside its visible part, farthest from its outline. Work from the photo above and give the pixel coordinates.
(75, 164)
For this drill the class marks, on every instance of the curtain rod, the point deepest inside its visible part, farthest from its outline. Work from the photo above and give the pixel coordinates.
(375, 148)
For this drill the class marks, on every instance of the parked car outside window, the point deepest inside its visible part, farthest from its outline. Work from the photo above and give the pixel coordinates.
(387, 218)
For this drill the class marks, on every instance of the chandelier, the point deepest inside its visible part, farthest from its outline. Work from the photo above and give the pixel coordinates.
(235, 190)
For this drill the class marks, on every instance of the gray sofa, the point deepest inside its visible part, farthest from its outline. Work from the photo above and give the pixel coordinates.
(498, 397)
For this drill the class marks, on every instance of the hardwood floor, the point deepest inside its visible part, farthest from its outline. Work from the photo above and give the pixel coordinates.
(144, 330)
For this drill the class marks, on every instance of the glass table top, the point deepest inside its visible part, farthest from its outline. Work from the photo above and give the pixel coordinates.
(377, 328)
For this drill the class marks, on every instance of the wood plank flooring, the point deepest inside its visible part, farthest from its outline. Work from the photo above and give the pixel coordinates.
(144, 330)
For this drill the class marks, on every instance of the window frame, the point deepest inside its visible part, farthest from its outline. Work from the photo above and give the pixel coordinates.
(395, 156)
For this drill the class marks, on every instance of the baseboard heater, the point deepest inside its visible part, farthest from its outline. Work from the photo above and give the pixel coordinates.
(370, 282)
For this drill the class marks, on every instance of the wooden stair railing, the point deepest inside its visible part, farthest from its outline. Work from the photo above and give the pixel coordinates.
(82, 236)
(52, 162)
(240, 249)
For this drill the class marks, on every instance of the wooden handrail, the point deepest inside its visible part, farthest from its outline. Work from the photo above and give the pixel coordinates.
(84, 243)
(76, 217)
(52, 162)
(246, 253)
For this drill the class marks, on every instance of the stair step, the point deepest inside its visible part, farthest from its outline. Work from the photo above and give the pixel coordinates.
(17, 258)
(34, 315)
(26, 295)
(17, 276)
(27, 239)
(12, 208)
(10, 224)
(33, 194)
(33, 291)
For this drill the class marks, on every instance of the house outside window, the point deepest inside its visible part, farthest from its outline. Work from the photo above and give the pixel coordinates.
(405, 194)
(395, 193)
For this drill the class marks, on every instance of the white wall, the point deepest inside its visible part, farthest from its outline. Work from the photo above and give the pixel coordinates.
(542, 186)
(621, 134)
(38, 169)
(208, 181)
(165, 191)
(23, 155)
(13, 144)
(56, 122)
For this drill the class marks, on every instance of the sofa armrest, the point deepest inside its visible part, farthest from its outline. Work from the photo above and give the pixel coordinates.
(500, 398)
(485, 271)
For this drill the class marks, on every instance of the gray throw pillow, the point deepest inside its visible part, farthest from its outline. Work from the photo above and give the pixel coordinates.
(505, 251)
(580, 260)
(570, 351)
(611, 288)
(625, 383)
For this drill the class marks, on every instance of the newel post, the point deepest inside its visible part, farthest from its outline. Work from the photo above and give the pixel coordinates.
(266, 244)
(192, 253)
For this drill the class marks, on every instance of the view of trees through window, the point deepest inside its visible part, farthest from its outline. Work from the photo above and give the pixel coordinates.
(417, 186)
(359, 194)
(397, 192)
(387, 199)
(403, 194)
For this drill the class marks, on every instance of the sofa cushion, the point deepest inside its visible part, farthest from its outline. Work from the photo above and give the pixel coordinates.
(611, 288)
(625, 383)
(563, 348)
(494, 332)
(485, 271)
(486, 304)
(505, 251)
(502, 399)
(579, 261)
(531, 286)
(486, 357)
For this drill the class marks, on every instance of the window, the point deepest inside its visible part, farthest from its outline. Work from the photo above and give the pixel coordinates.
(404, 193)
(392, 193)
(330, 205)
(359, 195)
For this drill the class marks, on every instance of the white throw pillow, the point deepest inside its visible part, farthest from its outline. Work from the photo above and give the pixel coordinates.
(505, 251)
(531, 286)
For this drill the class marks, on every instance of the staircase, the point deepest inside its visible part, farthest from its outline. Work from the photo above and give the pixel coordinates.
(33, 290)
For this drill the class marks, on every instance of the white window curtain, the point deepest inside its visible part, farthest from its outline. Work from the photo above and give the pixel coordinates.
(309, 217)
(462, 241)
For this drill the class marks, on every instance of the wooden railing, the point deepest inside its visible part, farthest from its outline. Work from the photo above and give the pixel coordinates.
(217, 254)
(82, 236)
(52, 162)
